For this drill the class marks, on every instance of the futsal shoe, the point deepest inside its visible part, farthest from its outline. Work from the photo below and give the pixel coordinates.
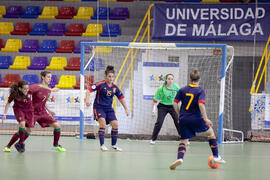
(7, 149)
(18, 147)
(22, 147)
(152, 142)
(59, 148)
(103, 148)
(116, 148)
(176, 163)
(219, 160)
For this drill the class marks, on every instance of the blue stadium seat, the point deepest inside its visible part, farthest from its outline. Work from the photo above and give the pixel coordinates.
(39, 29)
(31, 78)
(95, 65)
(48, 46)
(101, 13)
(5, 62)
(111, 30)
(31, 12)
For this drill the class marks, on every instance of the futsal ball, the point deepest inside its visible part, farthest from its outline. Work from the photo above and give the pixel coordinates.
(212, 163)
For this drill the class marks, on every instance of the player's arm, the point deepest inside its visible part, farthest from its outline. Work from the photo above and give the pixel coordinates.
(5, 111)
(87, 98)
(122, 101)
(204, 114)
(156, 98)
(176, 108)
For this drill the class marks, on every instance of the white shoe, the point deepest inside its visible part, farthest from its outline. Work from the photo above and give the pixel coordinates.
(116, 148)
(176, 163)
(152, 142)
(103, 148)
(219, 160)
(188, 143)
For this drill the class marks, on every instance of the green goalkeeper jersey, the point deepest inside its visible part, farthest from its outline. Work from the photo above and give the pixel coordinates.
(165, 95)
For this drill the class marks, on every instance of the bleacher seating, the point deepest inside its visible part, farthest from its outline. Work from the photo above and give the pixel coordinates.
(72, 0)
(0, 79)
(13, 12)
(95, 65)
(30, 45)
(48, 46)
(111, 30)
(120, 13)
(20, 62)
(66, 82)
(1, 43)
(103, 49)
(38, 63)
(54, 81)
(87, 49)
(31, 12)
(93, 30)
(12, 45)
(102, 13)
(73, 64)
(10, 79)
(5, 62)
(49, 12)
(88, 82)
(66, 13)
(30, 78)
(210, 1)
(66, 46)
(75, 30)
(2, 11)
(6, 28)
(21, 28)
(57, 63)
(125, 0)
(57, 29)
(39, 29)
(84, 13)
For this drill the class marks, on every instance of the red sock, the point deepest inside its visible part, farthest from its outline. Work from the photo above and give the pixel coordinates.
(14, 138)
(56, 136)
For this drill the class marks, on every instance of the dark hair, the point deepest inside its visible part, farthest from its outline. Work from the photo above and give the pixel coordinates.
(195, 75)
(14, 88)
(44, 73)
(165, 78)
(109, 69)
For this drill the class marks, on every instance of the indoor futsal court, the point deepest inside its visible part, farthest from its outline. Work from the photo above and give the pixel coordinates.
(139, 160)
(125, 89)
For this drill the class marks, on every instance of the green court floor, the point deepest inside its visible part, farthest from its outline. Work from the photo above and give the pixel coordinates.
(139, 161)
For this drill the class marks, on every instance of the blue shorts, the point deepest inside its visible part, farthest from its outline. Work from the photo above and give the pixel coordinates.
(189, 126)
(106, 113)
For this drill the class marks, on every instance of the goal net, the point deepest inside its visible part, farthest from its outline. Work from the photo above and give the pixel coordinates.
(140, 68)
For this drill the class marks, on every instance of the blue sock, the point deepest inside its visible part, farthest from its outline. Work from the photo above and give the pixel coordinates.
(181, 151)
(213, 146)
(114, 135)
(101, 133)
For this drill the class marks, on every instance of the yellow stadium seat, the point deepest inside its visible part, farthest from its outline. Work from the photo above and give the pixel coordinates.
(57, 63)
(93, 30)
(84, 13)
(102, 49)
(12, 45)
(2, 11)
(49, 12)
(6, 28)
(20, 62)
(210, 1)
(66, 82)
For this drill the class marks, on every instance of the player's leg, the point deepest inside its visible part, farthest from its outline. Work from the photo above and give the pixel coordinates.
(213, 145)
(13, 139)
(162, 112)
(114, 135)
(180, 154)
(101, 133)
(56, 136)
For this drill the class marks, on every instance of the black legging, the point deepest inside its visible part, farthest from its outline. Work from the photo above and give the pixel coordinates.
(163, 110)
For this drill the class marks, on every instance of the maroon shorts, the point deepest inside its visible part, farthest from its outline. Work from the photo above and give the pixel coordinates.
(28, 117)
(44, 119)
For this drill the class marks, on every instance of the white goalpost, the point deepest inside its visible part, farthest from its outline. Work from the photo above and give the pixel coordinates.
(142, 64)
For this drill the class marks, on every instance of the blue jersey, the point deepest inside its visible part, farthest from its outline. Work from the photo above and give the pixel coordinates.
(105, 93)
(190, 96)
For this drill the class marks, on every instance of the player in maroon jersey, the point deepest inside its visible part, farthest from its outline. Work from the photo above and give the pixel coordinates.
(42, 114)
(23, 111)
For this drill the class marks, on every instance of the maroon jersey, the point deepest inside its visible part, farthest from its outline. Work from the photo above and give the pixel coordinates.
(21, 103)
(39, 97)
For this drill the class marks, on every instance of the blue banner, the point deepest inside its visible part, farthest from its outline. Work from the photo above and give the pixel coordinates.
(211, 22)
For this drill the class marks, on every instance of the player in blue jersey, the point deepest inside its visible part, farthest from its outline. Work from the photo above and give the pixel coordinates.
(193, 118)
(103, 111)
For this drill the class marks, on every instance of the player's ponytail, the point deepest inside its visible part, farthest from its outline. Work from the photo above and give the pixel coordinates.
(195, 75)
(109, 69)
(14, 88)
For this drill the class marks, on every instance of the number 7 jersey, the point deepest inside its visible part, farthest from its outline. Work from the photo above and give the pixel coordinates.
(190, 96)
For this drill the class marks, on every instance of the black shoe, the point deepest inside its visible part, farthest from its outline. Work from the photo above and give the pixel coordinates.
(18, 147)
(23, 147)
